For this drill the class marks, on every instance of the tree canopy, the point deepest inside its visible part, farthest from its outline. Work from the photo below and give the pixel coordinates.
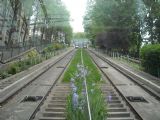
(121, 25)
(50, 16)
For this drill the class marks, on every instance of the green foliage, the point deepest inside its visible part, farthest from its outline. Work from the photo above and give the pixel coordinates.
(51, 48)
(150, 55)
(152, 20)
(32, 58)
(97, 103)
(4, 74)
(79, 35)
(59, 21)
(13, 69)
(58, 46)
(68, 34)
(72, 67)
(110, 24)
(32, 54)
(94, 76)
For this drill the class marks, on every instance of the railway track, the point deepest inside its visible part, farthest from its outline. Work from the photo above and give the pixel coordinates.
(147, 85)
(134, 100)
(12, 85)
(54, 106)
(117, 109)
(24, 104)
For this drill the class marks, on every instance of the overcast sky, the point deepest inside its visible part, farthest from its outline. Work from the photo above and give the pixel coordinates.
(77, 11)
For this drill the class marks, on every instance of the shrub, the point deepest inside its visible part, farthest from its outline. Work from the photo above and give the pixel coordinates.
(28, 62)
(150, 55)
(58, 46)
(4, 75)
(52, 47)
(13, 69)
(32, 54)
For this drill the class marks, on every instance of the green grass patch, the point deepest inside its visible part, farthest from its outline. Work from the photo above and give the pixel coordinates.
(93, 79)
(94, 74)
(72, 67)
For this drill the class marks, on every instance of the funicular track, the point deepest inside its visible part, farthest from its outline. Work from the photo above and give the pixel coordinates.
(119, 106)
(19, 108)
(54, 106)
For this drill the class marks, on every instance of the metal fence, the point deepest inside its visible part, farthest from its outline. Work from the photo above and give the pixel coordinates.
(8, 53)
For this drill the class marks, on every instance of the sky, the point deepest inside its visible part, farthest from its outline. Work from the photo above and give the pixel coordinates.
(77, 11)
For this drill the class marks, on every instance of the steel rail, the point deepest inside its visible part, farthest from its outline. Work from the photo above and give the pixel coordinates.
(147, 87)
(14, 93)
(123, 97)
(44, 98)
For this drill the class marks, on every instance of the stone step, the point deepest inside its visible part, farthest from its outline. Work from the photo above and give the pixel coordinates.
(62, 91)
(118, 114)
(107, 93)
(59, 95)
(54, 114)
(123, 118)
(56, 102)
(115, 105)
(114, 98)
(68, 85)
(59, 98)
(116, 109)
(52, 118)
(113, 101)
(110, 94)
(57, 105)
(62, 87)
(56, 109)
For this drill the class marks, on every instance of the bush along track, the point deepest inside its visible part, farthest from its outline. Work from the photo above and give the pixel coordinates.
(31, 59)
(86, 101)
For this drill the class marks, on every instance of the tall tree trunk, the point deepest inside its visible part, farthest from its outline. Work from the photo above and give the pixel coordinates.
(15, 6)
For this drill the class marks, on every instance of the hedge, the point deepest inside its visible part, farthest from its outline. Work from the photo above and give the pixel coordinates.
(52, 47)
(150, 55)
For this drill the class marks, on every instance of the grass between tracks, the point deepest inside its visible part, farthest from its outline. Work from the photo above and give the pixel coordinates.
(94, 73)
(96, 98)
(72, 67)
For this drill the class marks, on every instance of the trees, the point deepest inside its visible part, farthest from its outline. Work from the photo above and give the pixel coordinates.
(121, 24)
(152, 19)
(59, 19)
(112, 22)
(79, 35)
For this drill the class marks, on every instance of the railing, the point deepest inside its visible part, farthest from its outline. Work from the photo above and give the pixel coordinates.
(120, 56)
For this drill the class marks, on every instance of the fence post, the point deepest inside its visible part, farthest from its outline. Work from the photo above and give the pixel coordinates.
(128, 58)
(117, 55)
(121, 56)
(2, 55)
(113, 55)
(158, 73)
